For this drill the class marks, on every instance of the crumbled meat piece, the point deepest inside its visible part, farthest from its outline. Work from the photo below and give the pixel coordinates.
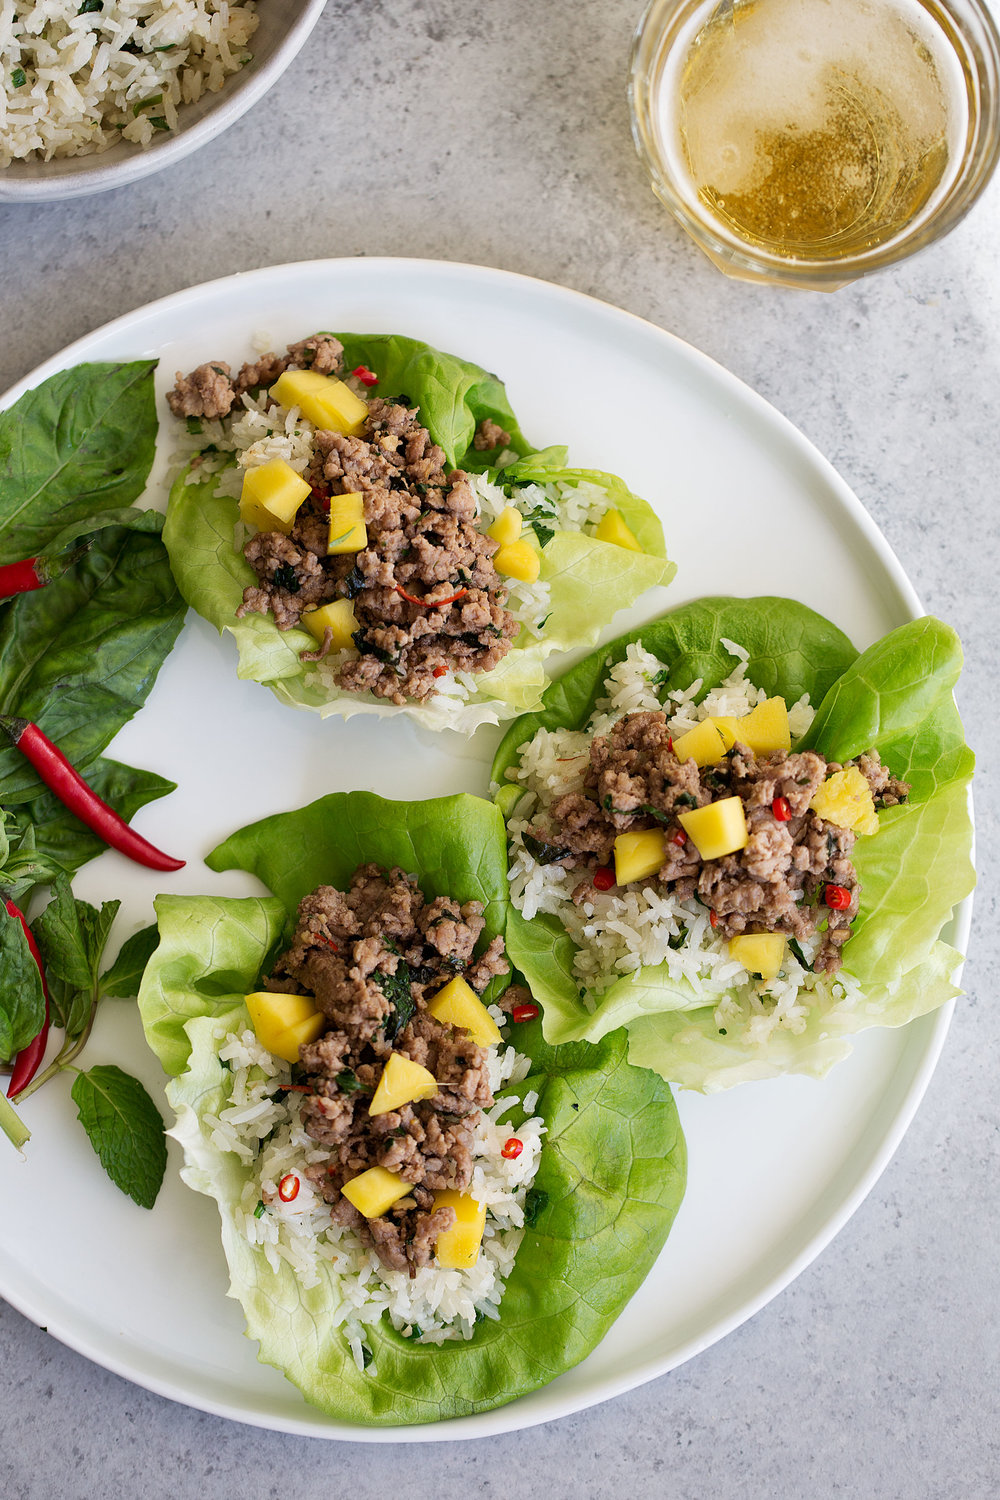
(206, 392)
(490, 434)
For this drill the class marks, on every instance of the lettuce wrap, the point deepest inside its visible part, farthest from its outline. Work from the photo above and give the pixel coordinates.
(588, 580)
(896, 698)
(612, 1167)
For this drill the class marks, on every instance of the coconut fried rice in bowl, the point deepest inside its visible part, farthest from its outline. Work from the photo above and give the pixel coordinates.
(100, 94)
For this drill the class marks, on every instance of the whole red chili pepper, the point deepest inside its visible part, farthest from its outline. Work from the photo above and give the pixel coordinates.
(27, 1061)
(81, 799)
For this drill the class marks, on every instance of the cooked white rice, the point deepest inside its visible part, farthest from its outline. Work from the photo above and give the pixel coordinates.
(620, 931)
(80, 76)
(262, 1126)
(263, 430)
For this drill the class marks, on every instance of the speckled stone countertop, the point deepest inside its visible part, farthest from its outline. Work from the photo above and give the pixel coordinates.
(499, 136)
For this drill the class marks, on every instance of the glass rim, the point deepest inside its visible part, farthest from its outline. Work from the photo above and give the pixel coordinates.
(645, 64)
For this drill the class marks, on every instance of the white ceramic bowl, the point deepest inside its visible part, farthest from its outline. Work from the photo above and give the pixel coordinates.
(284, 26)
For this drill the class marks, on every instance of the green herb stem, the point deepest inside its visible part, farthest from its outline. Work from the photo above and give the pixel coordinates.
(12, 1125)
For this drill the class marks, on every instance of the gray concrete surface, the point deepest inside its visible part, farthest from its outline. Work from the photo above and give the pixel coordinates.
(499, 135)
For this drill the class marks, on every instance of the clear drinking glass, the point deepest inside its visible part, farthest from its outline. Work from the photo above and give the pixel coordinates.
(810, 142)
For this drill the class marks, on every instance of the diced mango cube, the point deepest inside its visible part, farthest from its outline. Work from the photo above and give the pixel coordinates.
(283, 1022)
(457, 1248)
(639, 855)
(760, 953)
(718, 829)
(765, 728)
(327, 403)
(845, 798)
(348, 532)
(271, 496)
(703, 744)
(337, 616)
(612, 528)
(518, 560)
(374, 1192)
(403, 1081)
(728, 727)
(507, 526)
(459, 1005)
(287, 1043)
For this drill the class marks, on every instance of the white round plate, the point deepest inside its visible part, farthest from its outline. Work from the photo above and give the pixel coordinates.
(748, 507)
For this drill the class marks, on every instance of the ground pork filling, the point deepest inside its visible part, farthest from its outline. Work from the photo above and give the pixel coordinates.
(372, 957)
(621, 775)
(426, 596)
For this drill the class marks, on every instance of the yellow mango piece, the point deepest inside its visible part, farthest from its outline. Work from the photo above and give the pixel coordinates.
(271, 496)
(348, 532)
(283, 1022)
(374, 1192)
(337, 616)
(403, 1081)
(703, 744)
(612, 528)
(728, 728)
(766, 727)
(287, 1043)
(718, 829)
(845, 798)
(327, 403)
(639, 855)
(518, 560)
(507, 526)
(760, 953)
(458, 1247)
(459, 1005)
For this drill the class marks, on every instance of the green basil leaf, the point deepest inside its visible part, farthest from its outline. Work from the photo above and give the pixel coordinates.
(125, 1129)
(22, 1003)
(80, 443)
(121, 981)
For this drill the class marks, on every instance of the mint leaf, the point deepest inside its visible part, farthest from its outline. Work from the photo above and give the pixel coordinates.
(71, 937)
(121, 981)
(125, 1129)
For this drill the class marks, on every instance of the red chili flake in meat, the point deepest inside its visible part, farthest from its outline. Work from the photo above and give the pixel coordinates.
(440, 671)
(321, 495)
(670, 744)
(604, 878)
(288, 1188)
(366, 376)
(837, 897)
(526, 1012)
(713, 919)
(512, 1148)
(680, 838)
(781, 807)
(321, 937)
(428, 603)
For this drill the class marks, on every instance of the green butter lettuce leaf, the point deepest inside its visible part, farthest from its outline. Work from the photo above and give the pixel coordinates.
(589, 580)
(612, 1170)
(80, 444)
(897, 698)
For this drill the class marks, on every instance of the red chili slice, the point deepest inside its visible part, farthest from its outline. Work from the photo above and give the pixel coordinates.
(322, 937)
(366, 376)
(288, 1188)
(440, 671)
(781, 807)
(837, 897)
(428, 603)
(604, 878)
(512, 1148)
(680, 838)
(526, 1012)
(713, 919)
